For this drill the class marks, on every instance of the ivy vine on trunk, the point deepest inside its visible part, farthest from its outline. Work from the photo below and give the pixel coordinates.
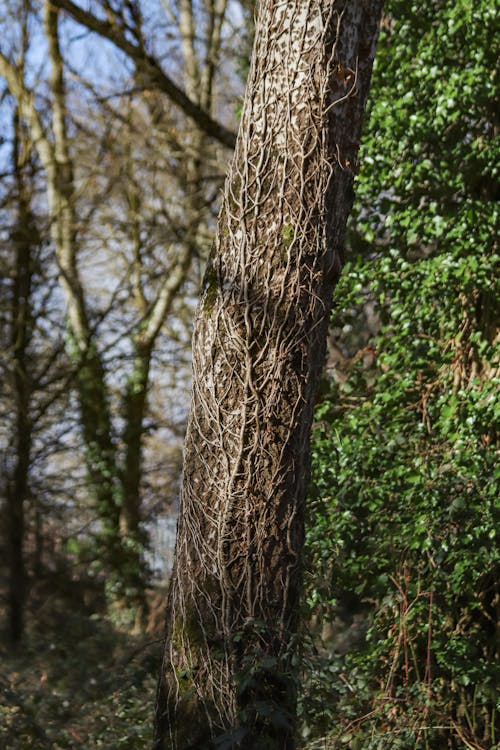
(258, 351)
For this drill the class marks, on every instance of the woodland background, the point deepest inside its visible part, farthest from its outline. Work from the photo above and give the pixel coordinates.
(399, 647)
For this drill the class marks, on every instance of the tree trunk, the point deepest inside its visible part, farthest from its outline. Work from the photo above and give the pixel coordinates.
(24, 239)
(258, 350)
(133, 412)
(100, 454)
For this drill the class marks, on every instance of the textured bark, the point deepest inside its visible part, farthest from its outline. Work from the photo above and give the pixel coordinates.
(258, 350)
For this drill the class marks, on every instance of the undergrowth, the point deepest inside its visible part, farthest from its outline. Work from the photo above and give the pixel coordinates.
(76, 682)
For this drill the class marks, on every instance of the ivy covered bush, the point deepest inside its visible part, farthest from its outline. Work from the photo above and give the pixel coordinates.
(403, 553)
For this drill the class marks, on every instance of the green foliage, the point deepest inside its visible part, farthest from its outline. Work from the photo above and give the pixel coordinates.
(404, 506)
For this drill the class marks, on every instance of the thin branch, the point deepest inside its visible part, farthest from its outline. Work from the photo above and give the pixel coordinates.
(155, 77)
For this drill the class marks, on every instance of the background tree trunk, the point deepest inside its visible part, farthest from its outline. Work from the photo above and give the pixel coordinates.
(25, 240)
(258, 351)
(100, 453)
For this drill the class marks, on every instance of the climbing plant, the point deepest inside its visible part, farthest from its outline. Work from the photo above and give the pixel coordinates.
(402, 539)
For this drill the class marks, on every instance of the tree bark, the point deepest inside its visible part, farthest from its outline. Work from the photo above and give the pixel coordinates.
(258, 350)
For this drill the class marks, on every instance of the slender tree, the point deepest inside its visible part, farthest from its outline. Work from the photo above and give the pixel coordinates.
(25, 240)
(25, 361)
(258, 351)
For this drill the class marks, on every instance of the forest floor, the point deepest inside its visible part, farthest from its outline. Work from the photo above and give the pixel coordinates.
(76, 681)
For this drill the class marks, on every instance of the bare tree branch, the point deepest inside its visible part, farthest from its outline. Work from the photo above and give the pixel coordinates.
(154, 76)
